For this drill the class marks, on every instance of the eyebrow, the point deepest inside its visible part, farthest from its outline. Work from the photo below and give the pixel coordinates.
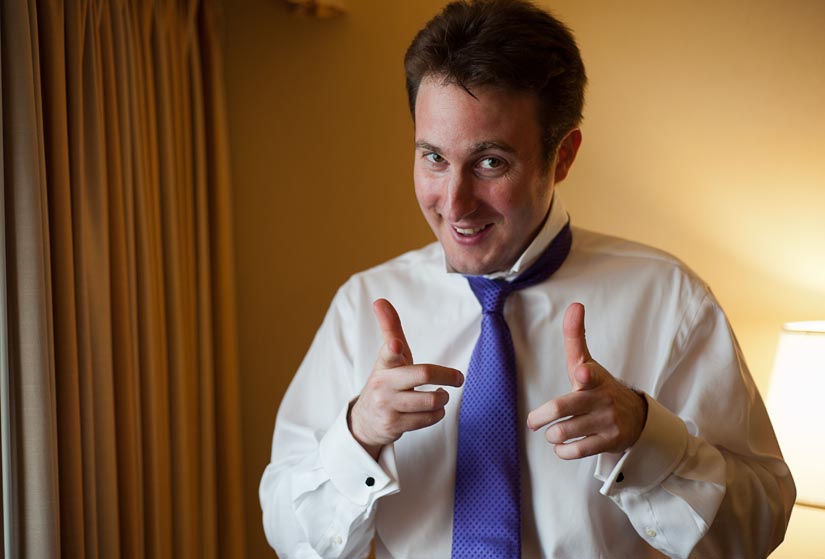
(502, 146)
(427, 147)
(478, 148)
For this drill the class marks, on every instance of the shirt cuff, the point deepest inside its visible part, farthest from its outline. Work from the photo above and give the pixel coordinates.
(657, 453)
(351, 469)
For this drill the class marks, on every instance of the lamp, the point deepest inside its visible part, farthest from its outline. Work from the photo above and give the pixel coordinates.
(796, 404)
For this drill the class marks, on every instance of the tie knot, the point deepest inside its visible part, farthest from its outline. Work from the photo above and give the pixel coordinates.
(491, 294)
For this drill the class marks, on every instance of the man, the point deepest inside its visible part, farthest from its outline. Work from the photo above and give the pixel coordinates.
(661, 448)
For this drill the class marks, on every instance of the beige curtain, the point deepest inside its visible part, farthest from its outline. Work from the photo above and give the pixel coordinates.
(121, 425)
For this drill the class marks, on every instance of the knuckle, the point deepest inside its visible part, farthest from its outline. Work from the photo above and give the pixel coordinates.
(421, 375)
(385, 424)
(381, 401)
(375, 382)
(610, 400)
(576, 451)
(611, 416)
(403, 406)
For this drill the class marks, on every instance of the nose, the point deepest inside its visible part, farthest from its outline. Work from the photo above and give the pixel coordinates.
(460, 201)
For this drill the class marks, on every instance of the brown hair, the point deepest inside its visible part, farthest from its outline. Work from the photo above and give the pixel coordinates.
(508, 44)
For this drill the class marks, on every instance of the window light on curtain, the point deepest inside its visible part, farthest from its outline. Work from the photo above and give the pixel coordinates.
(120, 397)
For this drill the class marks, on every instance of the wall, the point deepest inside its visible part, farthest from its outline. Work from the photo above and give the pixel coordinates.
(704, 135)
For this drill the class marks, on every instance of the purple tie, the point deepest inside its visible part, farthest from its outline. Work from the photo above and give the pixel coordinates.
(487, 513)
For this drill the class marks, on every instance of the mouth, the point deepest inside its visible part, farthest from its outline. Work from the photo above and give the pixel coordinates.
(470, 232)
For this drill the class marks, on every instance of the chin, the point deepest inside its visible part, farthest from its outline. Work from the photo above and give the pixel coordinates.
(471, 268)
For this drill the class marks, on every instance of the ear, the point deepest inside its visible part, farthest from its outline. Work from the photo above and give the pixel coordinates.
(566, 154)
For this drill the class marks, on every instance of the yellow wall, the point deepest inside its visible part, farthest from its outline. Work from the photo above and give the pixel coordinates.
(704, 135)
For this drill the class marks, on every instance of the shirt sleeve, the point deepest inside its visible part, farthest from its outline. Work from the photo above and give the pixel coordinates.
(319, 491)
(706, 477)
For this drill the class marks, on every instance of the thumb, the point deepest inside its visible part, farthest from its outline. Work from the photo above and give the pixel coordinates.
(396, 351)
(587, 376)
(575, 345)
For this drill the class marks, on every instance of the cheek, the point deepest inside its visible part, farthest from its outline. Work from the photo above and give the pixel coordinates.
(522, 203)
(426, 191)
(502, 200)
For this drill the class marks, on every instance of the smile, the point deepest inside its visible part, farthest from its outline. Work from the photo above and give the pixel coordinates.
(470, 232)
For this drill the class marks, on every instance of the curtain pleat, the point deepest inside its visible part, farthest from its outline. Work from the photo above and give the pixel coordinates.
(123, 351)
(223, 343)
(33, 421)
(67, 375)
(126, 361)
(152, 333)
(90, 178)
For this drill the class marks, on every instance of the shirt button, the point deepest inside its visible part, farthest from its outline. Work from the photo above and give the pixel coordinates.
(651, 533)
(370, 481)
(337, 540)
(620, 477)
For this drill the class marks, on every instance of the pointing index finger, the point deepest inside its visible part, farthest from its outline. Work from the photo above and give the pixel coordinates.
(575, 344)
(390, 325)
(428, 374)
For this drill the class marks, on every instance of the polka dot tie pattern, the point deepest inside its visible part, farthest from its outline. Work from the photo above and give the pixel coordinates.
(487, 513)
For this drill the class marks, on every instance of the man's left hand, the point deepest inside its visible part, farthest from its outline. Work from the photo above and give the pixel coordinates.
(600, 414)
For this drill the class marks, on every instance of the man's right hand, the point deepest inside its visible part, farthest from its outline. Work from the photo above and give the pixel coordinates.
(389, 405)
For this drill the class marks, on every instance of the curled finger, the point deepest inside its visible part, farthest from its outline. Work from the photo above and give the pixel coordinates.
(413, 401)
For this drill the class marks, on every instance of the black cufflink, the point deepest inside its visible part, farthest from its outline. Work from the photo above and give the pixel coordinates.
(370, 481)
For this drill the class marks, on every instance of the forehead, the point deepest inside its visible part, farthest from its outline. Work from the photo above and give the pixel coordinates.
(449, 116)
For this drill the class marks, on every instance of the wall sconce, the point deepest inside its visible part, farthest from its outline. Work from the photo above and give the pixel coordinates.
(796, 404)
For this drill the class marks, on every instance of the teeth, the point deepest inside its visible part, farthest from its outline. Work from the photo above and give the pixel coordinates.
(470, 231)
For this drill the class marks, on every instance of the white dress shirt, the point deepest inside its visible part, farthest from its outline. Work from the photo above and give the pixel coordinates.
(705, 479)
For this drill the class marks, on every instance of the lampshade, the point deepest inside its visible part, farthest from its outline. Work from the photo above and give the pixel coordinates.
(796, 404)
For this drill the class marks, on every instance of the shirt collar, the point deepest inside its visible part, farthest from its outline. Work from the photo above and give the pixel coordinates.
(557, 218)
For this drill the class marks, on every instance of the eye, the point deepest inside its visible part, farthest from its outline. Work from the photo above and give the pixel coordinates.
(491, 163)
(491, 166)
(434, 158)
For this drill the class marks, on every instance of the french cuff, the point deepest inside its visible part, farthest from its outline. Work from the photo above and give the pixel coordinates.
(352, 470)
(645, 465)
